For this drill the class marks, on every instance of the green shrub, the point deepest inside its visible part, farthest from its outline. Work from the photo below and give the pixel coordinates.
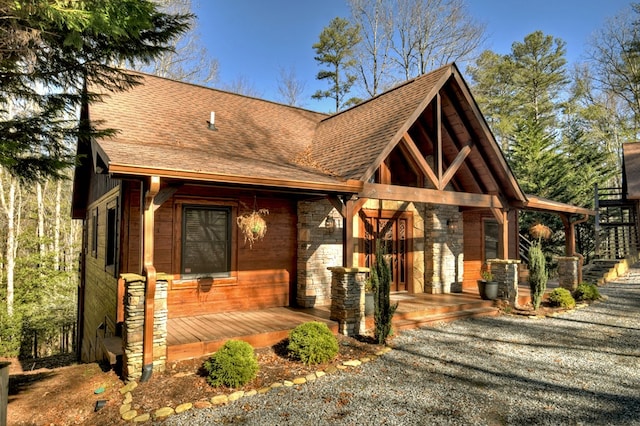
(562, 297)
(537, 274)
(586, 291)
(312, 343)
(234, 364)
(383, 309)
(10, 333)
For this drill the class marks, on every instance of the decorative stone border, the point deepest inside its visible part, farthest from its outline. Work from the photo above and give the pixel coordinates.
(129, 414)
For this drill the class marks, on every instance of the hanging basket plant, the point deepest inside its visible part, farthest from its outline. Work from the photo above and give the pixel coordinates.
(540, 231)
(253, 225)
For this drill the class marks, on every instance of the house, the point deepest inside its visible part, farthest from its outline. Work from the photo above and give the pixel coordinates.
(416, 167)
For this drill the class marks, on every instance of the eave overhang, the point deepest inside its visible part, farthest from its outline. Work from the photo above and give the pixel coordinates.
(126, 171)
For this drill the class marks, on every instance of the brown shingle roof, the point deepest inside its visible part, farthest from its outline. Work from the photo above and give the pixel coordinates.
(163, 125)
(350, 143)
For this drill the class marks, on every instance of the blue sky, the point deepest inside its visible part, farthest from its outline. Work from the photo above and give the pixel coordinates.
(253, 39)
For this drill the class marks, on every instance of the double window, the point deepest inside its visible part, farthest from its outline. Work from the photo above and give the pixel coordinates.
(206, 241)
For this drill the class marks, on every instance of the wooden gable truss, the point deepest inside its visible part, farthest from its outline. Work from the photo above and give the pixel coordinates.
(448, 144)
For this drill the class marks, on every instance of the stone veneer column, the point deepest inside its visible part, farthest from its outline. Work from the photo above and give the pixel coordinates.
(347, 299)
(443, 249)
(505, 272)
(132, 331)
(568, 272)
(318, 247)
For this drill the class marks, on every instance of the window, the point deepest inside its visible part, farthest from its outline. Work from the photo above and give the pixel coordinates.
(491, 239)
(206, 241)
(112, 232)
(94, 232)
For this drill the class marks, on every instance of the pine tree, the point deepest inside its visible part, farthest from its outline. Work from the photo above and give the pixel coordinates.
(52, 51)
(335, 49)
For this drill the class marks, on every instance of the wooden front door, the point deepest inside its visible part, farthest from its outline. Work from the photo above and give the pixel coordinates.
(393, 231)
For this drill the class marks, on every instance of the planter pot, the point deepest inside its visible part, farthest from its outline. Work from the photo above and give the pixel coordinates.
(368, 304)
(488, 289)
(456, 287)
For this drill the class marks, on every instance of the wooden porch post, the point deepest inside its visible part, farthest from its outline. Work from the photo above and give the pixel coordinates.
(347, 208)
(149, 271)
(569, 235)
(503, 220)
(347, 235)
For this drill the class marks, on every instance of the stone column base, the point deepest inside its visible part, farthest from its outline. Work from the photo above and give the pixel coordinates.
(347, 299)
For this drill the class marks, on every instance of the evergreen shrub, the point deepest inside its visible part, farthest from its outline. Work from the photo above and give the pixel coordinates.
(586, 291)
(312, 343)
(234, 364)
(538, 275)
(383, 309)
(562, 297)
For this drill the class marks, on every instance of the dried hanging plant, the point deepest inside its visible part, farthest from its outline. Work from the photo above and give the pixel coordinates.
(540, 231)
(253, 225)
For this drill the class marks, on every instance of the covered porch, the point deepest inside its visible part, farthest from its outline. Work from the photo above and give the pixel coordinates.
(197, 336)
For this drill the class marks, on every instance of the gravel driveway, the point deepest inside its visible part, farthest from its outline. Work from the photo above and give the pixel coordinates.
(579, 368)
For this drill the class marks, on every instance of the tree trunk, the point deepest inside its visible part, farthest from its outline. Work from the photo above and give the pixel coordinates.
(56, 231)
(11, 209)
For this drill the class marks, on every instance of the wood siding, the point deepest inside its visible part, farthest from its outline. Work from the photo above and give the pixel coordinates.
(261, 277)
(100, 282)
(474, 243)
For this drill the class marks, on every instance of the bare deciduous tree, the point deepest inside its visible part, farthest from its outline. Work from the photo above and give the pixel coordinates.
(615, 56)
(374, 18)
(189, 61)
(432, 33)
(290, 88)
(242, 86)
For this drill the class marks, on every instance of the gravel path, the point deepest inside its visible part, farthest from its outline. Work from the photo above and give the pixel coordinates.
(579, 368)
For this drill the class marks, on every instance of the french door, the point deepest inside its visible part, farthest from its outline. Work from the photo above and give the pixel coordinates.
(392, 230)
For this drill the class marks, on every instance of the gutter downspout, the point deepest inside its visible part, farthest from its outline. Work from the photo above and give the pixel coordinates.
(149, 271)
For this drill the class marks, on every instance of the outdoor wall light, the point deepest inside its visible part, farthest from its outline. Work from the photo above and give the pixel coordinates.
(452, 226)
(330, 224)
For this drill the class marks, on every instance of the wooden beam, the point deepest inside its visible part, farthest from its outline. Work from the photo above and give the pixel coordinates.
(437, 124)
(347, 234)
(455, 165)
(424, 195)
(337, 204)
(411, 146)
(505, 235)
(149, 271)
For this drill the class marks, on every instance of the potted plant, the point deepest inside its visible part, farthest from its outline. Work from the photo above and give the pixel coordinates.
(487, 287)
(253, 225)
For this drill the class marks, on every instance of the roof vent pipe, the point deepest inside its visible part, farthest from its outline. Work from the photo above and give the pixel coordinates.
(212, 121)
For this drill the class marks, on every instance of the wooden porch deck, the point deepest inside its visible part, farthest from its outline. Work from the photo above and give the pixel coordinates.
(192, 337)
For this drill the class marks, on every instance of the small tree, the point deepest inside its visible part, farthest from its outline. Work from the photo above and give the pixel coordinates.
(335, 50)
(537, 274)
(381, 283)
